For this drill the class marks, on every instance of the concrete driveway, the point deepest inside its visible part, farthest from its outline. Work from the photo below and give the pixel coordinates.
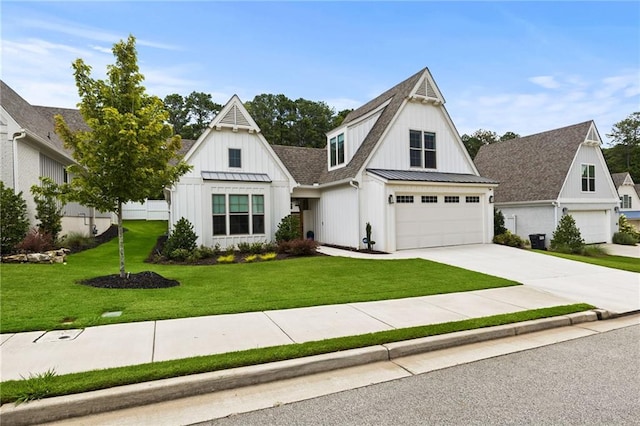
(611, 289)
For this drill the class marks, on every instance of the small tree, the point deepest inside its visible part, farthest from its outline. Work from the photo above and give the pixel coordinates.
(182, 238)
(625, 227)
(127, 155)
(48, 208)
(567, 236)
(288, 229)
(498, 222)
(14, 223)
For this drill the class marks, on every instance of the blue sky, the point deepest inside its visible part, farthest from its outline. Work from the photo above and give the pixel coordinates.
(503, 66)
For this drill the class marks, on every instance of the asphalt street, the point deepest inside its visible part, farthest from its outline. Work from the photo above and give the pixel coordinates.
(591, 380)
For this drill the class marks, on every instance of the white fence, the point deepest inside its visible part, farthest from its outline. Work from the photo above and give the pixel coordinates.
(149, 210)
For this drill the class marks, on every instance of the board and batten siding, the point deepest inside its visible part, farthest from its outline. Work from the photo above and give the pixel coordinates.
(393, 152)
(186, 202)
(354, 135)
(572, 188)
(375, 209)
(339, 217)
(526, 220)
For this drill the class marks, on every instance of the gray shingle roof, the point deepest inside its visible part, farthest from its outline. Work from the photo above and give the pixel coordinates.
(618, 178)
(423, 176)
(532, 167)
(306, 165)
(397, 94)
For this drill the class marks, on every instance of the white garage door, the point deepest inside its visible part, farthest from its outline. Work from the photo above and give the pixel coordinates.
(438, 220)
(593, 225)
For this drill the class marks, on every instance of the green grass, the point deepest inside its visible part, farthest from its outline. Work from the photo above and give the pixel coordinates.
(624, 263)
(43, 297)
(15, 390)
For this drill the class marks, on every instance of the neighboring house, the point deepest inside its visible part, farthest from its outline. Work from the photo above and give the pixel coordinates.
(397, 162)
(30, 148)
(629, 198)
(549, 174)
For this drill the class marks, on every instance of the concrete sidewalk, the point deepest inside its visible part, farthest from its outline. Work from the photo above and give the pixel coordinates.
(118, 345)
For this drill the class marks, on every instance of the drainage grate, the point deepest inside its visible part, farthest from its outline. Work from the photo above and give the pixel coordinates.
(59, 336)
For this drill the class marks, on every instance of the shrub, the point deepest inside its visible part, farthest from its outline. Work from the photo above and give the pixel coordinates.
(594, 251)
(13, 219)
(204, 252)
(624, 239)
(244, 247)
(250, 258)
(182, 237)
(180, 254)
(76, 241)
(257, 248)
(298, 247)
(230, 249)
(288, 229)
(566, 237)
(509, 239)
(227, 259)
(498, 223)
(268, 256)
(627, 228)
(48, 209)
(36, 242)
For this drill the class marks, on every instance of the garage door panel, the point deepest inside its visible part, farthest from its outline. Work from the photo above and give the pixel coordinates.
(438, 224)
(593, 225)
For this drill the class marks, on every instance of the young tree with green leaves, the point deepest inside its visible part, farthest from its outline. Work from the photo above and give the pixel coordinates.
(624, 155)
(126, 155)
(14, 223)
(48, 208)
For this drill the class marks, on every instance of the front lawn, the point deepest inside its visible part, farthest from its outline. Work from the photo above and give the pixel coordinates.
(624, 263)
(41, 297)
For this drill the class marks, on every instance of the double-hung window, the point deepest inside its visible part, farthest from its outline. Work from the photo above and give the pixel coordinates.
(422, 149)
(588, 178)
(237, 214)
(625, 201)
(235, 157)
(336, 146)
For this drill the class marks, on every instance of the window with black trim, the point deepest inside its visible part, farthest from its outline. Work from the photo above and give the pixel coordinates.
(422, 149)
(235, 157)
(238, 214)
(451, 199)
(472, 199)
(219, 208)
(336, 146)
(404, 199)
(588, 178)
(257, 214)
(625, 202)
(429, 199)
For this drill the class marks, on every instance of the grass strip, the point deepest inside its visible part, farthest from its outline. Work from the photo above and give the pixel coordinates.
(623, 263)
(15, 390)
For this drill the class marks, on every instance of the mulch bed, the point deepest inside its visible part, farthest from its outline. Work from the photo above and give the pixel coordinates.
(356, 250)
(141, 280)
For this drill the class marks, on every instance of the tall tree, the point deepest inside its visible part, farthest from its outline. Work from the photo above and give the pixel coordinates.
(126, 155)
(624, 155)
(481, 137)
(190, 115)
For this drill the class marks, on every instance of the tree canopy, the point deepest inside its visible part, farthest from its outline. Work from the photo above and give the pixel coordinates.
(190, 115)
(127, 154)
(481, 137)
(624, 155)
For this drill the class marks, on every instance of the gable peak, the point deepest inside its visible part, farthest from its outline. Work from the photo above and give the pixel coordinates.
(234, 116)
(426, 90)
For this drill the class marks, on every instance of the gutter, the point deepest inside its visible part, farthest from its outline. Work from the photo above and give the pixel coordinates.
(355, 184)
(18, 135)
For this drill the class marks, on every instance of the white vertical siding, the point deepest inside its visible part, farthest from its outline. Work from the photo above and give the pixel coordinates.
(354, 136)
(186, 201)
(28, 175)
(527, 220)
(6, 158)
(572, 188)
(393, 153)
(374, 209)
(339, 217)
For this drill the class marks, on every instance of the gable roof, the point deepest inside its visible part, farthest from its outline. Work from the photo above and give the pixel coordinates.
(38, 121)
(532, 167)
(305, 164)
(396, 97)
(619, 178)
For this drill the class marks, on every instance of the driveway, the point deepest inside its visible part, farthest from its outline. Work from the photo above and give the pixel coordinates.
(611, 289)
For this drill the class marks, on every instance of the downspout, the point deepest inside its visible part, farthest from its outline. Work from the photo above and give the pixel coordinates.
(356, 185)
(18, 135)
(555, 205)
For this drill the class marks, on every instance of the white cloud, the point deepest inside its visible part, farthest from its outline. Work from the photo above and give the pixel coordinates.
(340, 104)
(546, 81)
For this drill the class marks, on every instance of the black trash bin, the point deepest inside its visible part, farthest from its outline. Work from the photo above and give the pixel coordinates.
(310, 235)
(538, 241)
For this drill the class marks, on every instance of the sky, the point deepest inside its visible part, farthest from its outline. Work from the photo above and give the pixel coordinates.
(514, 66)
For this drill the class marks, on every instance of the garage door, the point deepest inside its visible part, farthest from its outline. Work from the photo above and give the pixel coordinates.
(593, 225)
(431, 220)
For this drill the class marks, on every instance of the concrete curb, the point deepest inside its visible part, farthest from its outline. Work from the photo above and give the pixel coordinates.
(64, 407)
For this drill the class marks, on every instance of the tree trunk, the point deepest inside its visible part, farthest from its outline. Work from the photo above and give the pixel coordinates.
(120, 240)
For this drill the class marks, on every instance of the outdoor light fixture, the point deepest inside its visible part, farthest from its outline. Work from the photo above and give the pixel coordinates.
(490, 199)
(565, 210)
(390, 198)
(616, 209)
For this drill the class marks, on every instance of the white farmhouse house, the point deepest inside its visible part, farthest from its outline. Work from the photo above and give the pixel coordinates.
(629, 198)
(550, 174)
(30, 149)
(397, 163)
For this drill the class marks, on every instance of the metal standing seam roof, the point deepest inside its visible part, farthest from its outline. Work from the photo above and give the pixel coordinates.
(424, 176)
(236, 176)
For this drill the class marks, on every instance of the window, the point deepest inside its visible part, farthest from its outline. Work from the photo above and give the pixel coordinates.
(429, 198)
(404, 199)
(588, 178)
(625, 202)
(336, 146)
(422, 149)
(235, 157)
(219, 214)
(451, 199)
(472, 199)
(231, 215)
